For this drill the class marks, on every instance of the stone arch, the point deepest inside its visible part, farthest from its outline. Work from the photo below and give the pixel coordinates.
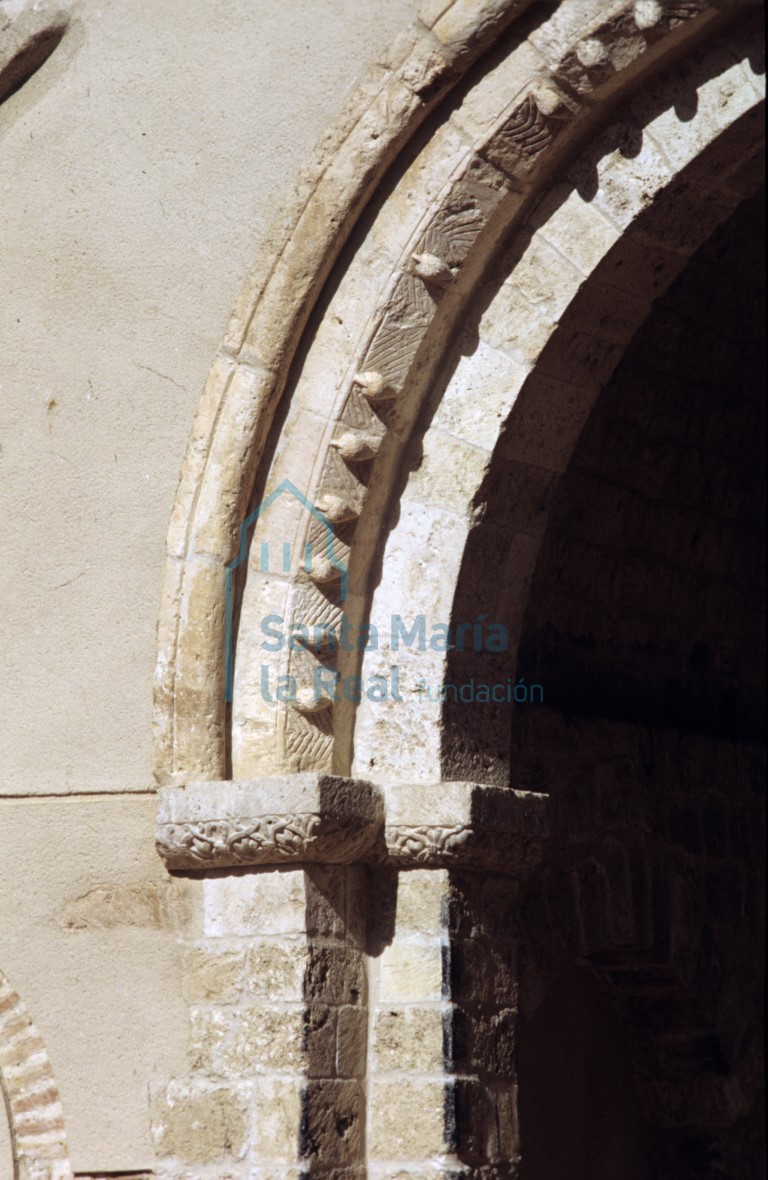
(249, 373)
(577, 360)
(479, 176)
(538, 368)
(31, 1095)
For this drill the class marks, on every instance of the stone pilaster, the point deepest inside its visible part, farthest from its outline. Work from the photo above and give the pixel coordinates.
(276, 980)
(352, 982)
(442, 1080)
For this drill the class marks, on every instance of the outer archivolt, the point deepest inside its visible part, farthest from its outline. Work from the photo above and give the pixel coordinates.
(564, 79)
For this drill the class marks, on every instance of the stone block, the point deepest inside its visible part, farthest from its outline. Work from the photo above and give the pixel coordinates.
(421, 902)
(351, 1042)
(335, 975)
(235, 1042)
(200, 1123)
(411, 971)
(259, 902)
(450, 473)
(482, 391)
(212, 974)
(575, 227)
(298, 817)
(409, 1039)
(406, 1119)
(277, 1119)
(275, 969)
(333, 1122)
(541, 273)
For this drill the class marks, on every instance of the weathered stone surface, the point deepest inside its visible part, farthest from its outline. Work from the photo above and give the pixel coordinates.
(407, 1121)
(464, 823)
(409, 1039)
(213, 974)
(267, 821)
(200, 1123)
(411, 971)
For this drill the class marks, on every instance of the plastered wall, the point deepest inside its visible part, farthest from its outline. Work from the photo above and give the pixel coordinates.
(140, 169)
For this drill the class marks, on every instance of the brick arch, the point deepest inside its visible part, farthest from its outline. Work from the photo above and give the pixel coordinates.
(486, 164)
(35, 1114)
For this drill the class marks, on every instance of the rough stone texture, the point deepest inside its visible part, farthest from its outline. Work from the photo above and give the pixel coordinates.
(297, 817)
(200, 1124)
(287, 1028)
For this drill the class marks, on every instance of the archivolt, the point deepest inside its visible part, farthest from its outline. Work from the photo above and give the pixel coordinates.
(480, 176)
(31, 1095)
(580, 280)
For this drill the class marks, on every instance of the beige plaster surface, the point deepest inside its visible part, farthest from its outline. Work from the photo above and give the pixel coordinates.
(89, 921)
(6, 1151)
(140, 169)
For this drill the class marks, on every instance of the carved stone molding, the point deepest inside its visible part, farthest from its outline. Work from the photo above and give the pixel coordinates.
(467, 825)
(319, 818)
(302, 817)
(265, 329)
(427, 846)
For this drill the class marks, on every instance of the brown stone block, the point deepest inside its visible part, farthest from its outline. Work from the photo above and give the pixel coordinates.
(351, 1042)
(332, 1123)
(335, 975)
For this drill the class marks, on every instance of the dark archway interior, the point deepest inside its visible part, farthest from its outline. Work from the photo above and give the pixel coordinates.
(578, 1109)
(648, 598)
(645, 627)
